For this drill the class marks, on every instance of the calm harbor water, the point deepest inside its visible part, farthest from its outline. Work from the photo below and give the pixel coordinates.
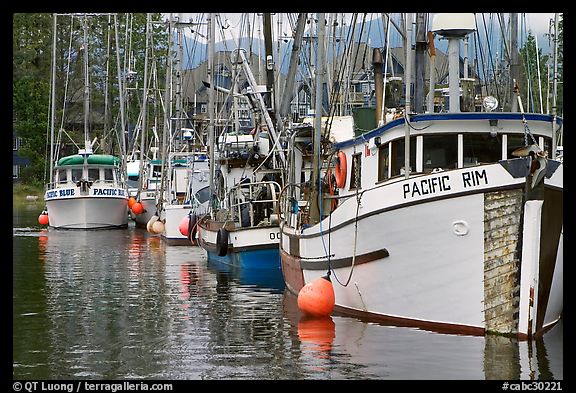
(121, 304)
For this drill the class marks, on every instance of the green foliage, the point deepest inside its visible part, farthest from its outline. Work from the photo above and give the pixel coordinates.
(32, 72)
(530, 59)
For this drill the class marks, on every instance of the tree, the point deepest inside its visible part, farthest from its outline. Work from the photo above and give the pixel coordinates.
(31, 76)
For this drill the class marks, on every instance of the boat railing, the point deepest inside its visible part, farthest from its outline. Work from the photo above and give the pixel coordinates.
(254, 204)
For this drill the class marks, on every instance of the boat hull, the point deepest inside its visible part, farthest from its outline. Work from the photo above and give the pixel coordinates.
(88, 213)
(172, 216)
(253, 248)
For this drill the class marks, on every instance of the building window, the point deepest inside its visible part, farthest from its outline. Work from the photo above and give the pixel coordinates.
(356, 172)
(15, 171)
(15, 143)
(383, 161)
(482, 149)
(440, 151)
(203, 108)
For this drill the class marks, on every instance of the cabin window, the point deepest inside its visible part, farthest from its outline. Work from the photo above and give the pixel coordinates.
(515, 141)
(93, 174)
(548, 146)
(482, 149)
(62, 178)
(108, 174)
(383, 161)
(440, 151)
(398, 156)
(356, 172)
(76, 174)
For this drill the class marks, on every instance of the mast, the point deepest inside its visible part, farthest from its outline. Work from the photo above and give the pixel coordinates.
(86, 86)
(408, 81)
(269, 60)
(144, 104)
(53, 98)
(514, 64)
(121, 97)
(211, 131)
(320, 70)
(106, 93)
(555, 89)
(167, 115)
(296, 45)
(432, 49)
(419, 62)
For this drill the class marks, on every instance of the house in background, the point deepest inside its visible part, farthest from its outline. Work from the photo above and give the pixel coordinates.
(17, 162)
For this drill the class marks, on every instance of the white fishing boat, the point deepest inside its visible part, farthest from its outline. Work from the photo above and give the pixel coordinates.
(87, 190)
(444, 221)
(241, 227)
(187, 174)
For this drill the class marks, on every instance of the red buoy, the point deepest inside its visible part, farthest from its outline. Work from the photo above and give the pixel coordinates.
(131, 202)
(183, 227)
(43, 218)
(317, 297)
(137, 208)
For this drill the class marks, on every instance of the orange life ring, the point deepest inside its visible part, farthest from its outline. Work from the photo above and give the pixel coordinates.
(341, 169)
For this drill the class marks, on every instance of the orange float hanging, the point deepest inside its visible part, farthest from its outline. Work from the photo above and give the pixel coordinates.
(131, 202)
(316, 298)
(137, 208)
(43, 218)
(340, 169)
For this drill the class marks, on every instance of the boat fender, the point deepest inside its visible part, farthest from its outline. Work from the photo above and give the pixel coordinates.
(340, 169)
(222, 242)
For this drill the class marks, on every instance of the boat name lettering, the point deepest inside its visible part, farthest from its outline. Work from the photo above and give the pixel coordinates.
(65, 192)
(274, 236)
(473, 178)
(427, 186)
(108, 191)
(436, 184)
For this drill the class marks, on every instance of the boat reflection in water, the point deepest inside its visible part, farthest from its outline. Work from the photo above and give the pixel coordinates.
(391, 352)
(266, 278)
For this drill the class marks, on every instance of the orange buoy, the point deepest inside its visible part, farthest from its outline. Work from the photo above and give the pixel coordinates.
(183, 227)
(340, 169)
(137, 208)
(43, 218)
(131, 201)
(317, 297)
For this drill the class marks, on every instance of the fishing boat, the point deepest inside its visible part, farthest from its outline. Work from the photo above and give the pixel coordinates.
(449, 221)
(241, 227)
(87, 190)
(187, 174)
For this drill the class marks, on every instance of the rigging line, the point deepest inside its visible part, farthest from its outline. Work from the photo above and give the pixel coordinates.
(67, 77)
(491, 58)
(337, 87)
